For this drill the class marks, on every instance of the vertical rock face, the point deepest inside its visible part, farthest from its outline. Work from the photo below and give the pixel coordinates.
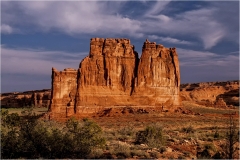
(113, 75)
(63, 91)
(41, 99)
(107, 74)
(158, 77)
(220, 103)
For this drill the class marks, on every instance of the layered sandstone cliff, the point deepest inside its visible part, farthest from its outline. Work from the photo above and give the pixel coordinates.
(64, 87)
(112, 75)
(158, 76)
(212, 94)
(36, 98)
(107, 75)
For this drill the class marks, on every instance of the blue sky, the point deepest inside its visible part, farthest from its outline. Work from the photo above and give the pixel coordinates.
(39, 35)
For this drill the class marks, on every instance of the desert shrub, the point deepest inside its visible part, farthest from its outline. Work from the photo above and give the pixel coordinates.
(89, 131)
(208, 151)
(205, 154)
(162, 149)
(232, 137)
(110, 135)
(219, 155)
(155, 155)
(209, 139)
(127, 130)
(95, 154)
(181, 157)
(188, 129)
(216, 134)
(210, 146)
(139, 153)
(121, 150)
(125, 133)
(10, 145)
(27, 137)
(152, 136)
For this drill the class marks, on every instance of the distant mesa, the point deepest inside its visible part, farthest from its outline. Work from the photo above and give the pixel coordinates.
(212, 94)
(112, 75)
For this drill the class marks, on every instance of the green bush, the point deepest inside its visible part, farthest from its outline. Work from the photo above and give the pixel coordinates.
(152, 136)
(27, 137)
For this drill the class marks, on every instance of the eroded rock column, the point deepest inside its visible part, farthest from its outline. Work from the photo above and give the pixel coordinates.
(158, 77)
(64, 85)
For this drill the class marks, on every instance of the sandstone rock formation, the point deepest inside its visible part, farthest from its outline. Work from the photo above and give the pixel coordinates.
(107, 75)
(220, 103)
(36, 98)
(158, 77)
(64, 88)
(209, 93)
(113, 76)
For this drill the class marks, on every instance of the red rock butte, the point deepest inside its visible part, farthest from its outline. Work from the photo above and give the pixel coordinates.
(112, 75)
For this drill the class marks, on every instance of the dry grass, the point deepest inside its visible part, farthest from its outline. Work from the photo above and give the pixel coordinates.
(185, 134)
(206, 110)
(19, 110)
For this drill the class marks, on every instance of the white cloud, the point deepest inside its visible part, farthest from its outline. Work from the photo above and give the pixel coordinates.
(161, 18)
(106, 18)
(227, 13)
(170, 40)
(32, 61)
(197, 23)
(212, 37)
(6, 29)
(202, 23)
(157, 8)
(203, 58)
(77, 17)
(234, 52)
(202, 66)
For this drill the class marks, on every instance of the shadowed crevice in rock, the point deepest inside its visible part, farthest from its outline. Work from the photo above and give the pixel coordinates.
(176, 65)
(134, 79)
(105, 70)
(77, 95)
(230, 97)
(49, 109)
